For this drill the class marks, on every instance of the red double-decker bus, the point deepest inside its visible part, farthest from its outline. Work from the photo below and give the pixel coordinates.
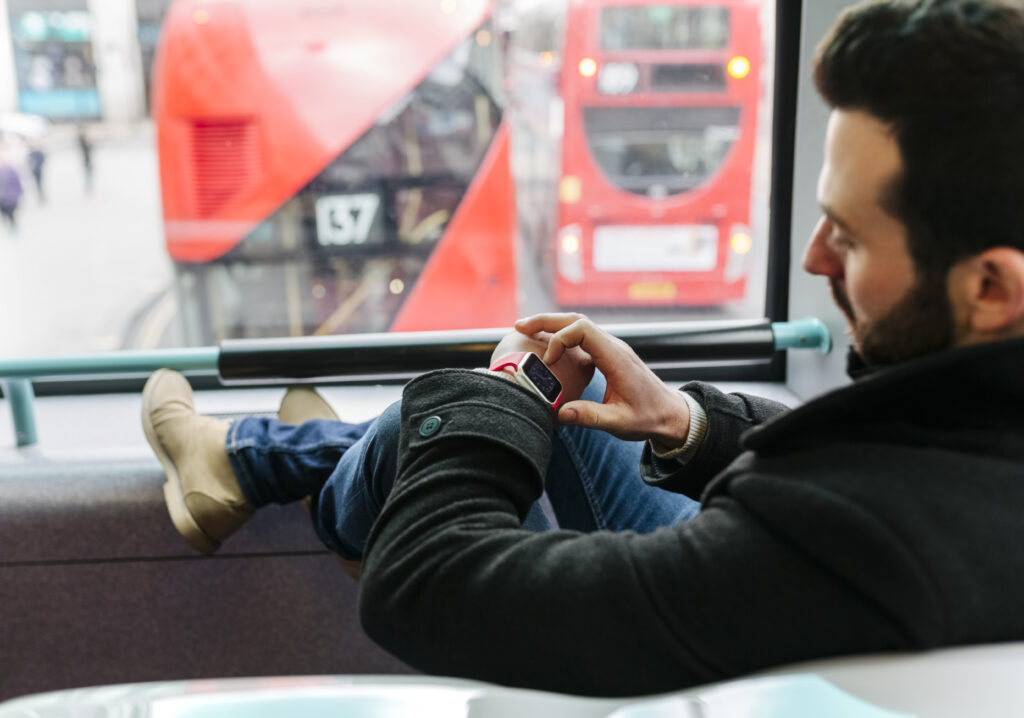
(333, 166)
(660, 117)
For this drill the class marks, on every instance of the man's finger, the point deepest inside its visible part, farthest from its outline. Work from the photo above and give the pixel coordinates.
(582, 333)
(547, 322)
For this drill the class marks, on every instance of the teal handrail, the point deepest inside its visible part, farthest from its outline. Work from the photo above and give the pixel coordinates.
(807, 333)
(16, 375)
(193, 359)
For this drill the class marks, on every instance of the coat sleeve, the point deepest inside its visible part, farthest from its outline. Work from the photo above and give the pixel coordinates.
(453, 586)
(729, 417)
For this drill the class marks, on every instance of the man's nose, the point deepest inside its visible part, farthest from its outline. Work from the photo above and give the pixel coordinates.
(819, 258)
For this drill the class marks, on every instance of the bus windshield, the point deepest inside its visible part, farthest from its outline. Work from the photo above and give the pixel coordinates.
(664, 27)
(659, 151)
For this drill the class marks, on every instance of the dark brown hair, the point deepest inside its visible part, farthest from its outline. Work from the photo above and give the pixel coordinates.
(948, 77)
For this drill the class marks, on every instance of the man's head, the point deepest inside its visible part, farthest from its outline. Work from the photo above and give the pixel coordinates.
(922, 189)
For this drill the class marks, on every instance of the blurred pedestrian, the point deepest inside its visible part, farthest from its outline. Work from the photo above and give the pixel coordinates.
(10, 192)
(85, 145)
(36, 160)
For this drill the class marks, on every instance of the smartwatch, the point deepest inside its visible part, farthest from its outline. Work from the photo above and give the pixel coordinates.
(534, 374)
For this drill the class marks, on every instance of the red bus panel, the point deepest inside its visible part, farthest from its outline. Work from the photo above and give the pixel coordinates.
(314, 155)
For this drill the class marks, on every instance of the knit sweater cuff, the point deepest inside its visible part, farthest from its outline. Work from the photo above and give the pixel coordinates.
(695, 437)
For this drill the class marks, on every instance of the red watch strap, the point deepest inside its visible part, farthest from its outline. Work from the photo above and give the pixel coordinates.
(514, 360)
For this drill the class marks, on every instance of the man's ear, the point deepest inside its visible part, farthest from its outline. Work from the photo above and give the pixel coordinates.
(988, 293)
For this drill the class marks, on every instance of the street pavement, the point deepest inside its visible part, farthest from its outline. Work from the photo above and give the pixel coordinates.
(87, 269)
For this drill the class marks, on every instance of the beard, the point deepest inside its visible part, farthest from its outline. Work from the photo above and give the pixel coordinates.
(920, 323)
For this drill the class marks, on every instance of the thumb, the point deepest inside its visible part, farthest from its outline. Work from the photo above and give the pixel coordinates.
(588, 414)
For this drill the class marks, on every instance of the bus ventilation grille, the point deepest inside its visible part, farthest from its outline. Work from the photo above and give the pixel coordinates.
(226, 159)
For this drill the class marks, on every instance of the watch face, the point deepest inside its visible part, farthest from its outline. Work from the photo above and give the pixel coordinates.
(542, 378)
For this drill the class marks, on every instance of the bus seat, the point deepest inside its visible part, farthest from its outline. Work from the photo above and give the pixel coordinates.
(97, 587)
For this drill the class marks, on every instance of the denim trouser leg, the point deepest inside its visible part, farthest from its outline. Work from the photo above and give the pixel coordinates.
(593, 483)
(276, 463)
(593, 479)
(353, 495)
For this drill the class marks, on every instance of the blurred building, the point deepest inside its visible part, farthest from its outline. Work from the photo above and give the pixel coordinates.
(72, 60)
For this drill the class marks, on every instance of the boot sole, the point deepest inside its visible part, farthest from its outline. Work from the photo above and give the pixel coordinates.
(174, 496)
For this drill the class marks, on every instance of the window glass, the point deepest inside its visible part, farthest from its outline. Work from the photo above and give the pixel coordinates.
(179, 172)
(664, 27)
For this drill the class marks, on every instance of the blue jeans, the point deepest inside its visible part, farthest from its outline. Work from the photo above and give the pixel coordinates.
(593, 479)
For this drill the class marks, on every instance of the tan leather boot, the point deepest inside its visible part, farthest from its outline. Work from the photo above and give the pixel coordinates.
(203, 496)
(300, 404)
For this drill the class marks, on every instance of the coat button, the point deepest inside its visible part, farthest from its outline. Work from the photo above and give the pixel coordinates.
(430, 426)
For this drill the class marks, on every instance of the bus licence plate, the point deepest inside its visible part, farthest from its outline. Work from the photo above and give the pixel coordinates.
(679, 248)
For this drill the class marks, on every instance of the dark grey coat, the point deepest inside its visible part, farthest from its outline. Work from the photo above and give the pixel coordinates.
(885, 515)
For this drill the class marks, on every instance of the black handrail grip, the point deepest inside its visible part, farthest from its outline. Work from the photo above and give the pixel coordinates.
(404, 353)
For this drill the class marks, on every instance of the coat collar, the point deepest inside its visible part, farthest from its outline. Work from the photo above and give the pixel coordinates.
(984, 380)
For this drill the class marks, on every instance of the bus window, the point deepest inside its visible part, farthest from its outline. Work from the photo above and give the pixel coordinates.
(658, 151)
(336, 166)
(664, 27)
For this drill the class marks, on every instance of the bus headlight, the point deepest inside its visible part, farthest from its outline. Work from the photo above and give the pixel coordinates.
(741, 242)
(618, 78)
(739, 67)
(570, 254)
(588, 67)
(737, 264)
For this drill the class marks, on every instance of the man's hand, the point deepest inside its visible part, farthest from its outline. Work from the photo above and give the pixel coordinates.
(573, 368)
(637, 404)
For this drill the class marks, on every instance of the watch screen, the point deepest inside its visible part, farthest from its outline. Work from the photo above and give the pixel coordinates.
(542, 378)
